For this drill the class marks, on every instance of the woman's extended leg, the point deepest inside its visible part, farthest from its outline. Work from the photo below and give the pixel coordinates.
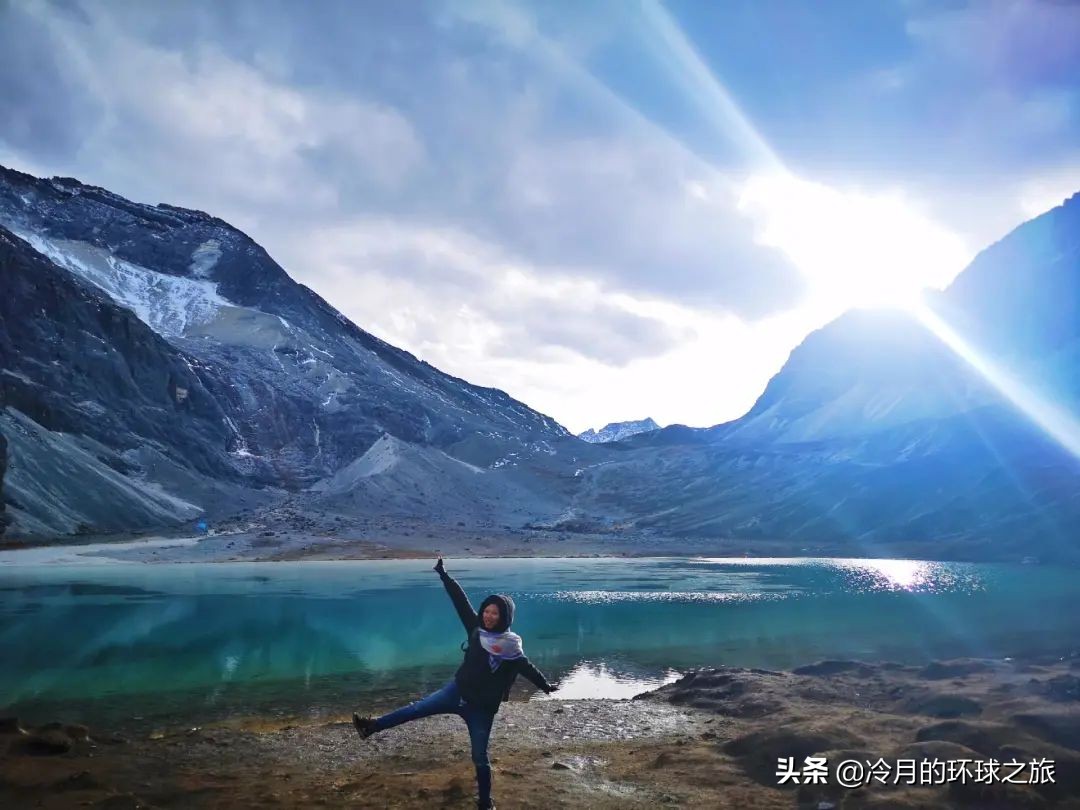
(479, 723)
(444, 701)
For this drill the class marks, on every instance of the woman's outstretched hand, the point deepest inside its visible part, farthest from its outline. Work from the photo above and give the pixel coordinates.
(439, 566)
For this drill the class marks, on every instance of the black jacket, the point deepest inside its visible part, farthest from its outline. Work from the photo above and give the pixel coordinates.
(476, 681)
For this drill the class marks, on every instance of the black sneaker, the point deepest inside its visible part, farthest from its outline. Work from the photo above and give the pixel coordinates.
(365, 726)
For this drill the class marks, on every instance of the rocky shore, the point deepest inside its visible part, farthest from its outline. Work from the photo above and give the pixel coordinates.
(714, 738)
(356, 539)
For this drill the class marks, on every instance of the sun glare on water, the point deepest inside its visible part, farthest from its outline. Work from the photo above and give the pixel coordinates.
(856, 250)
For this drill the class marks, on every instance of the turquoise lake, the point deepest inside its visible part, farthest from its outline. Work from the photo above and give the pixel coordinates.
(132, 644)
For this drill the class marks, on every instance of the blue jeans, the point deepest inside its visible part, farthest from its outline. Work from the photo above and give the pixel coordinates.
(448, 700)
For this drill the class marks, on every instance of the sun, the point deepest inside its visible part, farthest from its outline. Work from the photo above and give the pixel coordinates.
(855, 249)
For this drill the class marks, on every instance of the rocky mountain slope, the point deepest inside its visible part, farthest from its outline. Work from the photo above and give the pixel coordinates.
(174, 341)
(92, 398)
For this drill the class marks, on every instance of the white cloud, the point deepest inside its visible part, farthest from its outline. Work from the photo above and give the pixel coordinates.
(444, 291)
(210, 126)
(565, 345)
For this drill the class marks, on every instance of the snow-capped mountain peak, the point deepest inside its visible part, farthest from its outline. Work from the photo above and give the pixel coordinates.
(617, 431)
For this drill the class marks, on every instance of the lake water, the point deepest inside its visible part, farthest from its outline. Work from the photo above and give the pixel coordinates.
(146, 644)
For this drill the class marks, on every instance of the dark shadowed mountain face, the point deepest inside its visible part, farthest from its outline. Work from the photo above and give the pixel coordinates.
(5, 518)
(153, 329)
(89, 389)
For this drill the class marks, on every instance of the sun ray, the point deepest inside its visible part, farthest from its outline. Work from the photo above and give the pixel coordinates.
(856, 249)
(704, 90)
(1055, 421)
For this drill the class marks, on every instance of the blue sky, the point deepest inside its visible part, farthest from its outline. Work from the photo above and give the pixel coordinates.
(609, 209)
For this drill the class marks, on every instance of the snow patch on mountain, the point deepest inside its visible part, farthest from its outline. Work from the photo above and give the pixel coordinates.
(204, 258)
(168, 304)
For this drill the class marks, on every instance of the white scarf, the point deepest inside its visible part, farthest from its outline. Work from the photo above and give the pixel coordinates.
(500, 646)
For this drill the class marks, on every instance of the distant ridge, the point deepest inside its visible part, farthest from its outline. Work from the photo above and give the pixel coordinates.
(616, 431)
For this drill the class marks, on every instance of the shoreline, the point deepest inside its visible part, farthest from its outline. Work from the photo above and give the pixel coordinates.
(270, 546)
(709, 739)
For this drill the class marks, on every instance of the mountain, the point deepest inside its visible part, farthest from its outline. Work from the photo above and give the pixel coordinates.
(162, 353)
(876, 431)
(157, 366)
(1017, 305)
(617, 431)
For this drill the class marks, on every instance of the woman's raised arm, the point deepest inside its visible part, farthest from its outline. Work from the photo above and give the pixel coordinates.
(529, 670)
(466, 612)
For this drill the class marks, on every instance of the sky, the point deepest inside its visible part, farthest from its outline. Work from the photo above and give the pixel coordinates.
(609, 209)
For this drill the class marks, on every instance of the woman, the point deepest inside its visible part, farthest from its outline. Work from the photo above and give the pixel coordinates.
(493, 659)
